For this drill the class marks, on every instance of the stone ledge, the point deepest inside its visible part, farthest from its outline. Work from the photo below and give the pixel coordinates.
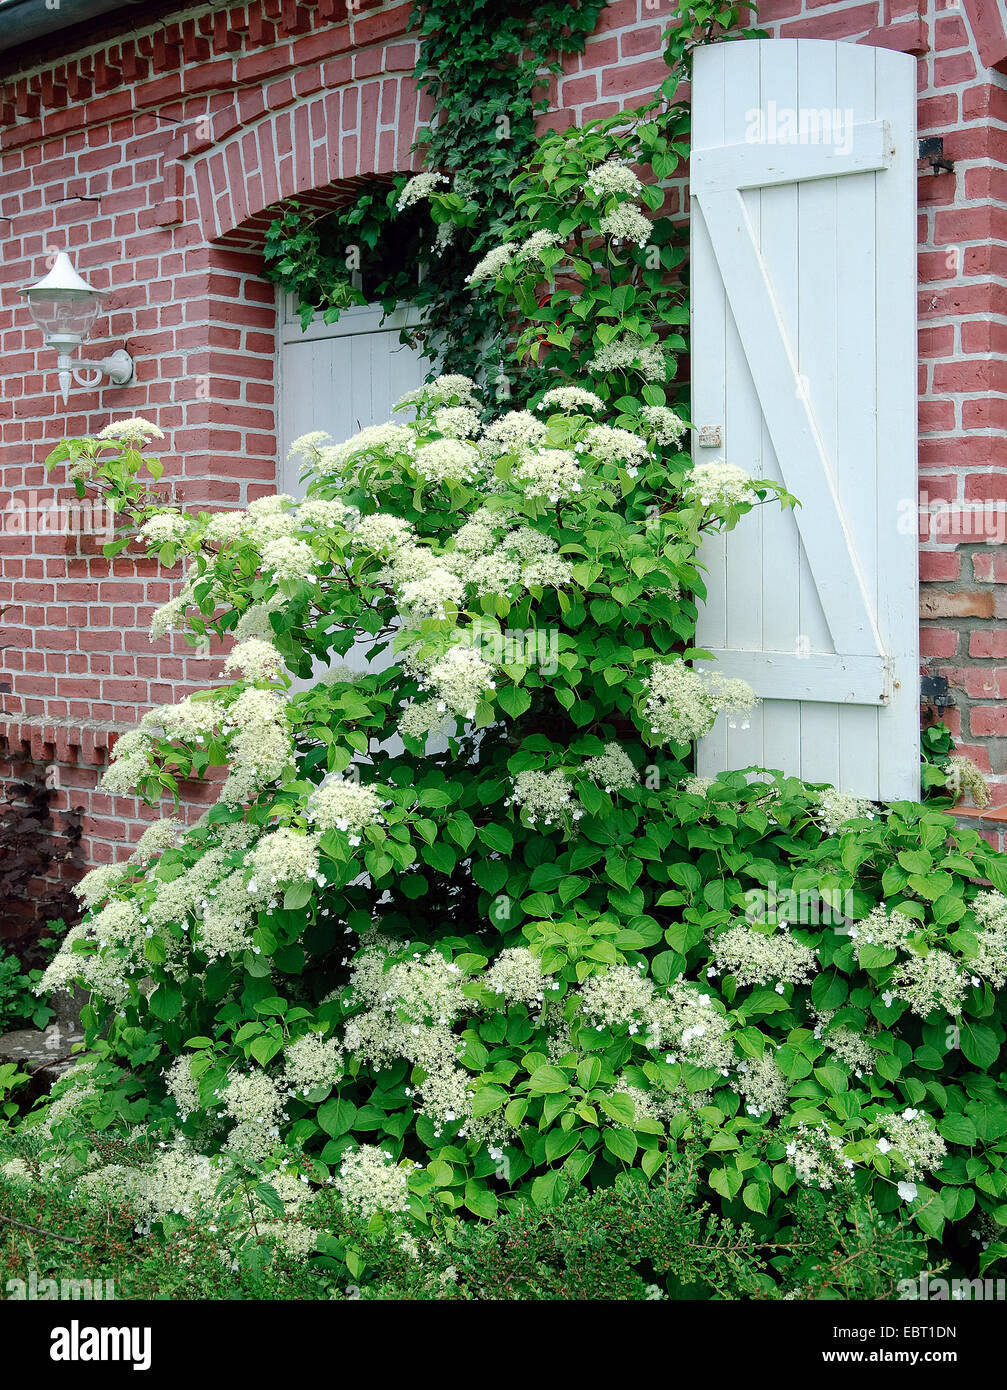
(996, 815)
(65, 740)
(42, 1049)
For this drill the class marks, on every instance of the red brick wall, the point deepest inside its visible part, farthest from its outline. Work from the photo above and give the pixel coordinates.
(153, 161)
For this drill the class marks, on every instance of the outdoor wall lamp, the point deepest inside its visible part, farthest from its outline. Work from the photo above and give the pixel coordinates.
(64, 306)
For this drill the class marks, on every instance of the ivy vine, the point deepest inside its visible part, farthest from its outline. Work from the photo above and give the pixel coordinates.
(486, 65)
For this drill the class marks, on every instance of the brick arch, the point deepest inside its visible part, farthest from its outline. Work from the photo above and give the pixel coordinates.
(223, 179)
(312, 149)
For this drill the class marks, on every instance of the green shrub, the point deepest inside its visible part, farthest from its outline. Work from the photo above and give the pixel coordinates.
(632, 1241)
(461, 932)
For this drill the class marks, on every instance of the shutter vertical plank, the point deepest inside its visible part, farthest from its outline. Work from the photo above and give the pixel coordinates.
(856, 348)
(778, 238)
(820, 263)
(746, 607)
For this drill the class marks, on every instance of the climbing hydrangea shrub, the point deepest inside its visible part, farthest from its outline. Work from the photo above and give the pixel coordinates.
(461, 928)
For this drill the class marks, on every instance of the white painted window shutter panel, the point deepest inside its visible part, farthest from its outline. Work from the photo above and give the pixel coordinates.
(804, 359)
(341, 376)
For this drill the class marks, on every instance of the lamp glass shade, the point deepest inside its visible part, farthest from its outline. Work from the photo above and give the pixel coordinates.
(62, 304)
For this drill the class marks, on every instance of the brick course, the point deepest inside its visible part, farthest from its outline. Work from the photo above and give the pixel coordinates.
(153, 159)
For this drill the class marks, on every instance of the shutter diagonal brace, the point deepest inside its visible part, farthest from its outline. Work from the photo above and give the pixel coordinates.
(717, 179)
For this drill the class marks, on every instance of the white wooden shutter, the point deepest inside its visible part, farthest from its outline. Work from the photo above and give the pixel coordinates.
(803, 226)
(341, 376)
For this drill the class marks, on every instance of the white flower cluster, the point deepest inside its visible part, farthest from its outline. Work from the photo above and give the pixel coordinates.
(838, 809)
(170, 616)
(158, 837)
(272, 504)
(182, 1182)
(411, 563)
(890, 931)
(369, 1180)
(990, 908)
(491, 574)
(760, 958)
(224, 527)
(517, 975)
(458, 421)
(256, 659)
(133, 431)
(933, 981)
(225, 918)
(306, 446)
(494, 564)
(382, 533)
(190, 721)
(344, 804)
(261, 746)
(255, 1103)
(311, 1063)
(666, 426)
(417, 188)
(630, 353)
(685, 1021)
(763, 1085)
(16, 1171)
(372, 442)
(612, 177)
(516, 430)
(568, 399)
(492, 263)
(448, 461)
(913, 1136)
(682, 704)
(432, 595)
(620, 997)
(420, 718)
(613, 769)
(854, 1050)
(553, 474)
(76, 1088)
(617, 446)
(164, 528)
(284, 856)
(288, 559)
(412, 1008)
(818, 1157)
(545, 795)
(97, 885)
(532, 247)
(323, 514)
(458, 680)
(130, 762)
(450, 389)
(182, 1086)
(964, 776)
(719, 484)
(627, 223)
